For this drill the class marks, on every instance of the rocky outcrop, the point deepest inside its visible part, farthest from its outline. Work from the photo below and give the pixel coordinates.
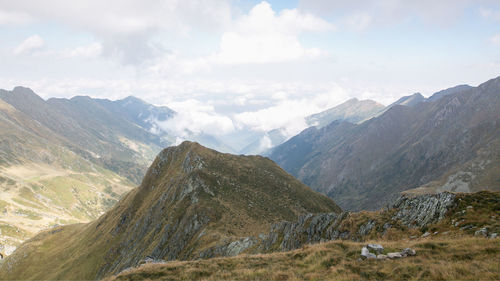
(422, 210)
(410, 212)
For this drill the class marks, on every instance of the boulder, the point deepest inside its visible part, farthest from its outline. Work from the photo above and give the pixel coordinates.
(483, 231)
(377, 248)
(381, 257)
(394, 255)
(425, 234)
(366, 253)
(408, 252)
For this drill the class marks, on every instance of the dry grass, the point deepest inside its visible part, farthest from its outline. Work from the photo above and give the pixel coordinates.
(462, 258)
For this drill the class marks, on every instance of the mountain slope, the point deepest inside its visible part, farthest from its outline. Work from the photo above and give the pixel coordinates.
(191, 199)
(452, 143)
(43, 183)
(353, 111)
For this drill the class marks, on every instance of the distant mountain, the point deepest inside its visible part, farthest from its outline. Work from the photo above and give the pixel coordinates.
(409, 100)
(352, 110)
(45, 180)
(191, 204)
(451, 143)
(449, 91)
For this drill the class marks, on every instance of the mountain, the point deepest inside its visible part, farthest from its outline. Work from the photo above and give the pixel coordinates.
(352, 110)
(408, 100)
(191, 201)
(43, 182)
(451, 143)
(449, 91)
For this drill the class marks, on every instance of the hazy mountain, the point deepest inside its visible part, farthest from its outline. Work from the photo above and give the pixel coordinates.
(408, 100)
(451, 143)
(191, 200)
(452, 90)
(352, 110)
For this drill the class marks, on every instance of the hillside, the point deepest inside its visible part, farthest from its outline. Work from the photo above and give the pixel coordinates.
(353, 110)
(453, 236)
(192, 203)
(451, 143)
(43, 183)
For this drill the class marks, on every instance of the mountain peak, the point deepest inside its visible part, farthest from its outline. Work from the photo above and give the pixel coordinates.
(192, 200)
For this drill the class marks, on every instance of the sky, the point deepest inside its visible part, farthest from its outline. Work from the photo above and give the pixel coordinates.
(230, 66)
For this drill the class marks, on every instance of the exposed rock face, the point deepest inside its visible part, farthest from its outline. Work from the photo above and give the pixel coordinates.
(409, 212)
(422, 210)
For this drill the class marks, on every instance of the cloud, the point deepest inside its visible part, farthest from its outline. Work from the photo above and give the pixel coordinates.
(495, 39)
(196, 117)
(13, 18)
(362, 14)
(489, 13)
(89, 51)
(262, 36)
(289, 114)
(29, 45)
(127, 28)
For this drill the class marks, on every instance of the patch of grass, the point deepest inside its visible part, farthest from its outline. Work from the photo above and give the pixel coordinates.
(330, 261)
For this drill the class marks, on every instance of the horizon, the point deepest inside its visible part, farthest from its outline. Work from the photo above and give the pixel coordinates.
(247, 67)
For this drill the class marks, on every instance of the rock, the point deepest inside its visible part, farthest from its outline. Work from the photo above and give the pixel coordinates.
(408, 252)
(366, 253)
(394, 255)
(493, 235)
(381, 257)
(425, 234)
(435, 233)
(422, 210)
(483, 231)
(377, 248)
(469, 207)
(413, 237)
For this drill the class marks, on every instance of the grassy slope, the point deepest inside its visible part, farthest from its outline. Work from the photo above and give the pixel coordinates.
(450, 254)
(249, 193)
(440, 258)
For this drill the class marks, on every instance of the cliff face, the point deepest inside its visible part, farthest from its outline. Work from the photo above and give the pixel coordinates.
(191, 199)
(406, 215)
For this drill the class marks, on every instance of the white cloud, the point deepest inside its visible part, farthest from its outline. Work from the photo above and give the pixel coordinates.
(196, 117)
(29, 45)
(489, 13)
(89, 51)
(361, 14)
(127, 28)
(13, 18)
(289, 114)
(263, 36)
(495, 39)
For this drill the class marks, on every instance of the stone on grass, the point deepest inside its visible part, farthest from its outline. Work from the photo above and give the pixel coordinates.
(377, 248)
(394, 255)
(366, 253)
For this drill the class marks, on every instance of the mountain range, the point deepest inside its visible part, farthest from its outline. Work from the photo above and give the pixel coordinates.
(450, 141)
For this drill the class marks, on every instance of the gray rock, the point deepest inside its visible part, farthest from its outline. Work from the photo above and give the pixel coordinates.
(377, 248)
(408, 252)
(366, 253)
(381, 257)
(425, 234)
(493, 235)
(422, 210)
(483, 231)
(394, 255)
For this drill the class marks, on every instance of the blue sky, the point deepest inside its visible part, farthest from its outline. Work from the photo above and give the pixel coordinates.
(247, 65)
